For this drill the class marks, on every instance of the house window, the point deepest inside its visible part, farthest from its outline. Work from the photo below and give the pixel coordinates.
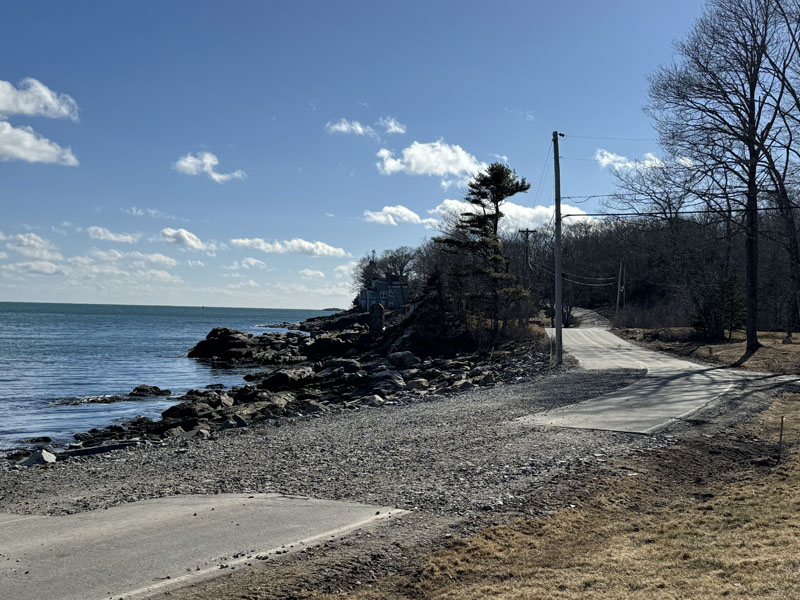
(383, 294)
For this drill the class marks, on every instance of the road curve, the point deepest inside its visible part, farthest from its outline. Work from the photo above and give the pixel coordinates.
(672, 389)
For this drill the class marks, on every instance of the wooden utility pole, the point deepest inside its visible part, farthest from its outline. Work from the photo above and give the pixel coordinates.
(526, 233)
(619, 292)
(558, 309)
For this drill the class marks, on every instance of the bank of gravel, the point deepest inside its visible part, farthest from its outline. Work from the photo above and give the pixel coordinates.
(457, 463)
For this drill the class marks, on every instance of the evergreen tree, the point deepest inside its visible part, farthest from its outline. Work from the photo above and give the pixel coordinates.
(476, 234)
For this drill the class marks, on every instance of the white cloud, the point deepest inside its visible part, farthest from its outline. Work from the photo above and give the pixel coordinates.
(392, 215)
(33, 246)
(159, 276)
(114, 255)
(293, 246)
(608, 159)
(3, 255)
(101, 233)
(330, 215)
(501, 157)
(38, 267)
(185, 239)
(189, 241)
(150, 212)
(23, 143)
(294, 289)
(195, 263)
(205, 162)
(249, 283)
(515, 216)
(312, 274)
(391, 125)
(432, 158)
(156, 258)
(247, 263)
(345, 270)
(352, 127)
(33, 98)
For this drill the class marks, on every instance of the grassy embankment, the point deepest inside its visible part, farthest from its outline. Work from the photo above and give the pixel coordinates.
(713, 517)
(773, 356)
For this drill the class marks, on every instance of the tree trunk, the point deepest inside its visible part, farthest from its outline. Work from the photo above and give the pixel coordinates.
(751, 252)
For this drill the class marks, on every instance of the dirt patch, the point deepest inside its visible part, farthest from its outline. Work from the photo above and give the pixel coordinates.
(773, 355)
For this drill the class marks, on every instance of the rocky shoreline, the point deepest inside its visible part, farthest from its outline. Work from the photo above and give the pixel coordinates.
(328, 364)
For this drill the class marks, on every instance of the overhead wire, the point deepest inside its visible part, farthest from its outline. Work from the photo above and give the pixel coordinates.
(541, 182)
(595, 137)
(679, 213)
(565, 275)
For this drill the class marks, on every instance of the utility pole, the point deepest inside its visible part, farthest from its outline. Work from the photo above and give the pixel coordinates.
(526, 233)
(619, 291)
(557, 308)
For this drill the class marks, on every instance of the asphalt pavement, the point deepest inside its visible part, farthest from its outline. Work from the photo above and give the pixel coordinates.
(134, 550)
(672, 389)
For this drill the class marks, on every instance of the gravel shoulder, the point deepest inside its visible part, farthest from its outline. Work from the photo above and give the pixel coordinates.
(457, 463)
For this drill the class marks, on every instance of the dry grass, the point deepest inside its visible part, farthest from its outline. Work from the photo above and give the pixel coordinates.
(773, 356)
(704, 520)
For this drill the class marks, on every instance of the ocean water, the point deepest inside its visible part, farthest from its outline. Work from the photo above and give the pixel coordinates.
(50, 352)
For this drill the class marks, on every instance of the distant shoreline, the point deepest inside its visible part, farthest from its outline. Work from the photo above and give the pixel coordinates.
(201, 306)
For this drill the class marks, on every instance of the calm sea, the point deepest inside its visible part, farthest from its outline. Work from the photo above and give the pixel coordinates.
(50, 352)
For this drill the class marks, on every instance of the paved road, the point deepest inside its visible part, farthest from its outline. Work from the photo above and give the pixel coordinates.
(672, 389)
(133, 550)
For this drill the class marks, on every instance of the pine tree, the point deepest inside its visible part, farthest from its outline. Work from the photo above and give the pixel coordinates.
(476, 233)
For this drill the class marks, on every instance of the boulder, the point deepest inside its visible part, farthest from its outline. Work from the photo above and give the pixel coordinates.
(39, 457)
(461, 386)
(222, 342)
(145, 391)
(173, 432)
(373, 400)
(348, 364)
(287, 378)
(326, 347)
(388, 375)
(418, 384)
(403, 360)
(188, 410)
(487, 379)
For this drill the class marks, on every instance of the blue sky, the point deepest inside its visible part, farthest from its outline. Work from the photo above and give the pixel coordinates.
(245, 153)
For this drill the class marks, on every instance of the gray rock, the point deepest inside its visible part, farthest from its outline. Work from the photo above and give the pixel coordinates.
(373, 400)
(404, 359)
(287, 378)
(144, 391)
(418, 384)
(461, 386)
(348, 364)
(228, 424)
(173, 432)
(487, 379)
(39, 457)
(188, 410)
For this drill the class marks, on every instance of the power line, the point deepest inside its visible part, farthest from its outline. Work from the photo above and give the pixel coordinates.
(549, 272)
(541, 181)
(645, 197)
(624, 139)
(679, 213)
(576, 158)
